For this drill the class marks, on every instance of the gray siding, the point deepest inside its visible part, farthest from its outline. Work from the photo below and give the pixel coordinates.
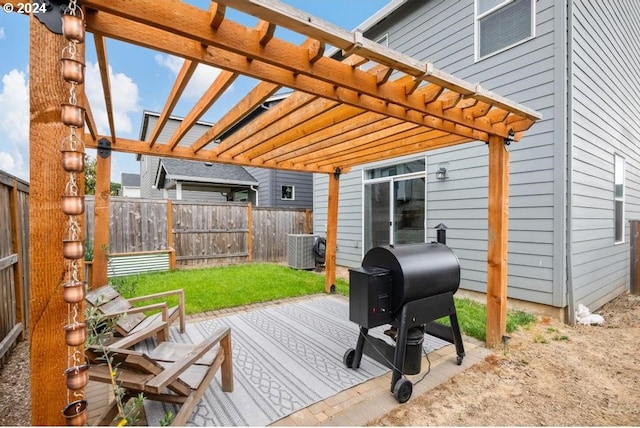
(148, 172)
(606, 107)
(443, 33)
(148, 168)
(265, 190)
(303, 184)
(271, 182)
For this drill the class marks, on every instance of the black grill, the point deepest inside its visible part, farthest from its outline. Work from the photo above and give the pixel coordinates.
(408, 287)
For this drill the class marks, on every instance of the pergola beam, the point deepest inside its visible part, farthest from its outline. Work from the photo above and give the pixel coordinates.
(250, 102)
(303, 122)
(233, 39)
(363, 124)
(138, 147)
(122, 29)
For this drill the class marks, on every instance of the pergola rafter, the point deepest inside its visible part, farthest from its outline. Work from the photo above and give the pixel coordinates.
(372, 104)
(182, 80)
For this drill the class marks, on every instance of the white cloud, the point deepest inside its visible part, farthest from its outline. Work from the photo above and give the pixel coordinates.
(124, 99)
(7, 162)
(199, 82)
(14, 114)
(14, 124)
(1, 33)
(173, 63)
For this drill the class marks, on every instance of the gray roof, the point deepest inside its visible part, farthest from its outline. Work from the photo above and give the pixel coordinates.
(130, 180)
(203, 172)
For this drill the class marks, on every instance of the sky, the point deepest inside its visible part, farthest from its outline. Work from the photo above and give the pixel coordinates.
(140, 80)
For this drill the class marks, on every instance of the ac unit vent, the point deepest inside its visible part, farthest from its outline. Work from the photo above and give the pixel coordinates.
(300, 251)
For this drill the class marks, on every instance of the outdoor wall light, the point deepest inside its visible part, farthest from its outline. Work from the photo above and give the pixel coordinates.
(441, 173)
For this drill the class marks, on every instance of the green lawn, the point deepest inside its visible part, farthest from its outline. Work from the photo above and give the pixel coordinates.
(229, 286)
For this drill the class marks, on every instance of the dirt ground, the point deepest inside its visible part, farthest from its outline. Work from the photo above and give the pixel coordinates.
(550, 374)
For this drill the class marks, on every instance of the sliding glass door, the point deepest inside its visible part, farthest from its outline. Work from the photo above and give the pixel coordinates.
(394, 205)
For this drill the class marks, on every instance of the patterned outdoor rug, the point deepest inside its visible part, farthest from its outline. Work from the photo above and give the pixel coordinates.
(285, 358)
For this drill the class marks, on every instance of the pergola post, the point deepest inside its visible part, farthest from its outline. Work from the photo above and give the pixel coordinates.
(102, 219)
(498, 234)
(47, 226)
(332, 232)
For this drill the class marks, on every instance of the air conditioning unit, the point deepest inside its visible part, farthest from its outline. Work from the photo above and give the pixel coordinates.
(300, 251)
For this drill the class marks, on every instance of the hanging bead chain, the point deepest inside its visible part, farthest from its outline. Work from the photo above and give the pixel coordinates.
(73, 206)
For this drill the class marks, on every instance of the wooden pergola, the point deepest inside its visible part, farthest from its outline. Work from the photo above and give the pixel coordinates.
(339, 116)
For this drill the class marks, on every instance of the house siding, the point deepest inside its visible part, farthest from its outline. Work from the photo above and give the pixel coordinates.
(148, 168)
(271, 180)
(265, 191)
(606, 107)
(303, 188)
(443, 33)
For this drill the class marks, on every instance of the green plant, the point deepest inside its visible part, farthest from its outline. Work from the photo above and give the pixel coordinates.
(472, 317)
(167, 419)
(88, 250)
(125, 285)
(539, 338)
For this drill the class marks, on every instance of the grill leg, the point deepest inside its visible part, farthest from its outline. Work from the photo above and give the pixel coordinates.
(360, 347)
(457, 337)
(401, 344)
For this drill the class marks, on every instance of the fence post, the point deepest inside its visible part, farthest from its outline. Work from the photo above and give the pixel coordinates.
(172, 250)
(250, 233)
(307, 221)
(16, 248)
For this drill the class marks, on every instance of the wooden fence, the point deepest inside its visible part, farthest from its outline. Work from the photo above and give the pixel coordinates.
(14, 256)
(201, 233)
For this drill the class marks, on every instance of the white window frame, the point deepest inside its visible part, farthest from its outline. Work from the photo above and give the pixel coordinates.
(293, 192)
(619, 200)
(476, 26)
(391, 179)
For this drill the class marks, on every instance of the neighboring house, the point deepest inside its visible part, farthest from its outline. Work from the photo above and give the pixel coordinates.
(129, 185)
(163, 178)
(279, 188)
(204, 181)
(574, 178)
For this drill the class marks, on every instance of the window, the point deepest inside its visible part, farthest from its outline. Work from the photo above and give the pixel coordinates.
(288, 193)
(501, 24)
(618, 176)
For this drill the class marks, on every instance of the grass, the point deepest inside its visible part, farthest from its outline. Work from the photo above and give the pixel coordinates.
(230, 286)
(472, 317)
